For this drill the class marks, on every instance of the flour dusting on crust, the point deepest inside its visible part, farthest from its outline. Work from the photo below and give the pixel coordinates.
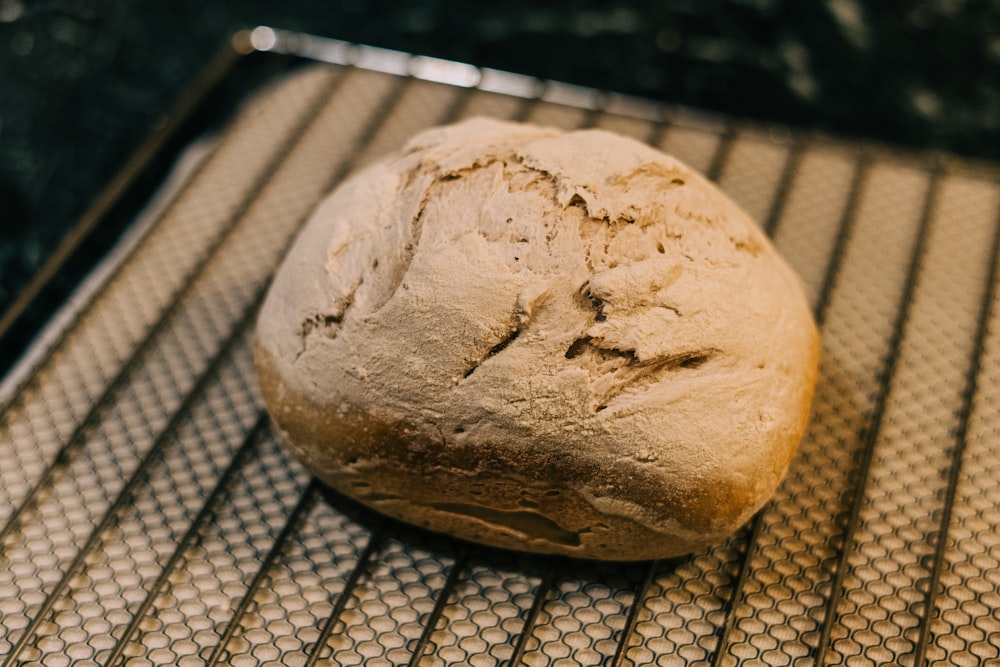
(501, 311)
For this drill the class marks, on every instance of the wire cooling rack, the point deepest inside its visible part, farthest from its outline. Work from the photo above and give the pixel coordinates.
(149, 515)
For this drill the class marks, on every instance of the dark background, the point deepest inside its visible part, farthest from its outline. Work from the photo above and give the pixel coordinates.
(83, 82)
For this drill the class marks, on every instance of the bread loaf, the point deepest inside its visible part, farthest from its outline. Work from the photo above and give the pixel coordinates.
(563, 343)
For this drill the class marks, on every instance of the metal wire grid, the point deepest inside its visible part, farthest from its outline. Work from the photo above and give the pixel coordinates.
(151, 517)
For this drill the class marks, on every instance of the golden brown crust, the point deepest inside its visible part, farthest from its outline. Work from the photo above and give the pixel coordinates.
(488, 338)
(526, 508)
(376, 466)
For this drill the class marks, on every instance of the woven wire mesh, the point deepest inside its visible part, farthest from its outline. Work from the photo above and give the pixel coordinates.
(151, 516)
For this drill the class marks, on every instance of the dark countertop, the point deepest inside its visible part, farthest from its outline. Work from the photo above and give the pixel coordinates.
(83, 82)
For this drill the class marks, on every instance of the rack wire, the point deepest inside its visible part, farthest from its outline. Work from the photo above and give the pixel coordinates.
(150, 515)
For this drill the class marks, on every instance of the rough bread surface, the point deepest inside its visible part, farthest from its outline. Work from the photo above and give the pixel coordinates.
(555, 342)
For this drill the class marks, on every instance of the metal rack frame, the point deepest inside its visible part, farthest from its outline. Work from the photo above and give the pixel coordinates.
(767, 596)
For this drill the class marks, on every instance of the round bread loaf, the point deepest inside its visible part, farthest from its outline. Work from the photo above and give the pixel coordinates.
(554, 342)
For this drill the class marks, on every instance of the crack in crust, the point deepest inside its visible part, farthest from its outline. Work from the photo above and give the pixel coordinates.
(495, 350)
(614, 371)
(325, 324)
(527, 522)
